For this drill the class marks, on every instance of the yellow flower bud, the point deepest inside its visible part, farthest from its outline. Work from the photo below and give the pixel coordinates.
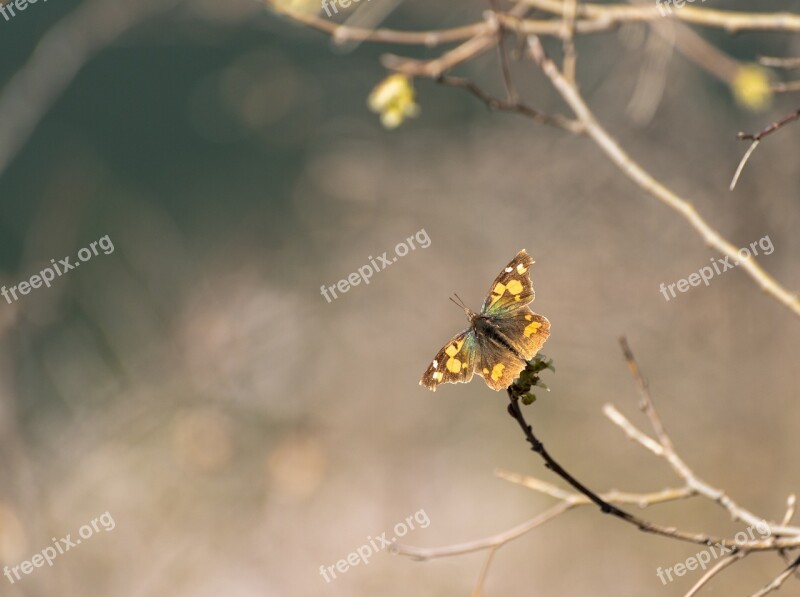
(751, 87)
(394, 99)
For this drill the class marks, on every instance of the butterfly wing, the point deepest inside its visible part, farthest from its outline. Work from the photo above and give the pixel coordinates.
(498, 366)
(512, 320)
(525, 330)
(454, 363)
(512, 289)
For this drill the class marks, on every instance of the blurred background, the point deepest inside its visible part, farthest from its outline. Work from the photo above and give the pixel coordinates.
(242, 431)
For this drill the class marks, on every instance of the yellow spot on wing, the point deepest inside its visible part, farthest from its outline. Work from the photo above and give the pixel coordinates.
(528, 317)
(438, 376)
(498, 291)
(453, 365)
(485, 371)
(521, 269)
(497, 371)
(532, 328)
(453, 349)
(515, 287)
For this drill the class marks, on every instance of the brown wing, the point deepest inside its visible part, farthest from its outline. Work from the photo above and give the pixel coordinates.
(512, 289)
(454, 363)
(498, 366)
(525, 330)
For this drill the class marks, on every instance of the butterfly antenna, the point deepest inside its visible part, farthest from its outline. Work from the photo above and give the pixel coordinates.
(460, 303)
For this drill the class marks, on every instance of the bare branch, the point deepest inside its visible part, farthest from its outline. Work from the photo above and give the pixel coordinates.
(714, 570)
(771, 128)
(779, 580)
(730, 21)
(478, 590)
(518, 107)
(742, 163)
(428, 553)
(647, 182)
(57, 59)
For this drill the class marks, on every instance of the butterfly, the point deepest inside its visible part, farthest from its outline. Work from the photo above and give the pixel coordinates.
(500, 339)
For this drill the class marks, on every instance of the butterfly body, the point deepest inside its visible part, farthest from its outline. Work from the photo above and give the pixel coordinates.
(488, 328)
(501, 338)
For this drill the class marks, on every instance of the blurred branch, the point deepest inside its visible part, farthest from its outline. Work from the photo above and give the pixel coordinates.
(779, 537)
(788, 87)
(478, 590)
(756, 139)
(779, 580)
(790, 63)
(646, 181)
(55, 61)
(488, 34)
(771, 128)
(730, 21)
(714, 570)
(517, 106)
(664, 448)
(342, 33)
(429, 553)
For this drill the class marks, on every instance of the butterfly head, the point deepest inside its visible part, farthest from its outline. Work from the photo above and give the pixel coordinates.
(459, 303)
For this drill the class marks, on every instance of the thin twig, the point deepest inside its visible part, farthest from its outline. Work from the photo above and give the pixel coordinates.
(703, 488)
(607, 508)
(642, 500)
(568, 40)
(429, 553)
(730, 21)
(568, 501)
(473, 47)
(756, 139)
(647, 182)
(714, 570)
(779, 580)
(478, 590)
(742, 163)
(788, 87)
(430, 39)
(789, 63)
(791, 505)
(512, 96)
(517, 107)
(771, 128)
